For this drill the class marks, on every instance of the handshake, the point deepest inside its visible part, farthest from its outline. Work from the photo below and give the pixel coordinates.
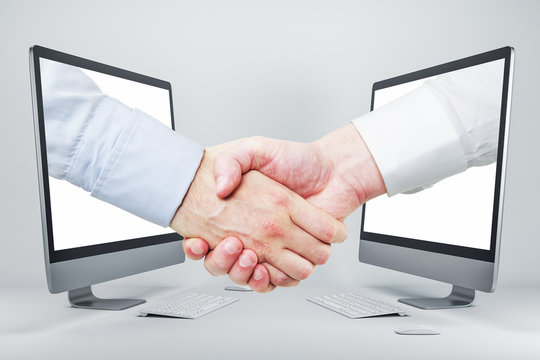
(266, 211)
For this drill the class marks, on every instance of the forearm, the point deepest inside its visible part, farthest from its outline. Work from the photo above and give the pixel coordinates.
(121, 155)
(436, 130)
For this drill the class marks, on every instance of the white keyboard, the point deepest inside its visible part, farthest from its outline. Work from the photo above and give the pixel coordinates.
(189, 305)
(354, 305)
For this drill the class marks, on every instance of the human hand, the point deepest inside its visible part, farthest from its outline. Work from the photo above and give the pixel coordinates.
(282, 229)
(337, 173)
(230, 257)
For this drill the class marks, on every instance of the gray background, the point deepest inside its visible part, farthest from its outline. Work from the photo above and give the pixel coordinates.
(287, 69)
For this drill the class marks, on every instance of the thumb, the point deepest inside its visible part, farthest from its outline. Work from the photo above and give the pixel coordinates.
(231, 164)
(227, 174)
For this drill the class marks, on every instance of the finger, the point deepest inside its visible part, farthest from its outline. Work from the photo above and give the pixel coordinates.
(279, 278)
(316, 222)
(227, 174)
(230, 164)
(243, 268)
(195, 248)
(220, 260)
(260, 281)
(309, 247)
(291, 264)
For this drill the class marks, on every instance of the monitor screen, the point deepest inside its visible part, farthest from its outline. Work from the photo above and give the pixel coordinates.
(454, 216)
(78, 224)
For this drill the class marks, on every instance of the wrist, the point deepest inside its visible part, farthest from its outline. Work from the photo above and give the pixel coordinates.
(352, 163)
(190, 214)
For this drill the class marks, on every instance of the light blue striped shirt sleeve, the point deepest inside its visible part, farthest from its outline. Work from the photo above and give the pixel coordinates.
(119, 154)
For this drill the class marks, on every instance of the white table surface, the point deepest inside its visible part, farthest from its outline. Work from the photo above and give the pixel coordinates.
(279, 325)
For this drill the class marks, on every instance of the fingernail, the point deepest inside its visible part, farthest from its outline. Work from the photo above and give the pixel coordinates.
(221, 182)
(257, 275)
(197, 249)
(245, 261)
(231, 248)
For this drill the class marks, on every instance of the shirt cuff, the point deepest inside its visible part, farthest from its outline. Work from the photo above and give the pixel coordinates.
(149, 170)
(413, 141)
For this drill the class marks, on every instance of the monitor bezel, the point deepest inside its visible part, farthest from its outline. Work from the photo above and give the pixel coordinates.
(54, 256)
(505, 53)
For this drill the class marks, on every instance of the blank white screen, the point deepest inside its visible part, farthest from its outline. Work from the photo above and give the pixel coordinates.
(455, 211)
(81, 220)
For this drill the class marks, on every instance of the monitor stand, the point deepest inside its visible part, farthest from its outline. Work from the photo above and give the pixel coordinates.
(85, 299)
(459, 297)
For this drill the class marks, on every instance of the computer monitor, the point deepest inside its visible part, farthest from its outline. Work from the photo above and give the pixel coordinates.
(88, 241)
(450, 232)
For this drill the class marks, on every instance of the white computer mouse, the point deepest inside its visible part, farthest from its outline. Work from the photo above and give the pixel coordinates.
(417, 330)
(238, 288)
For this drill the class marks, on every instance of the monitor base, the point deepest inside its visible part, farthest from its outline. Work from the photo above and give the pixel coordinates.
(459, 297)
(85, 299)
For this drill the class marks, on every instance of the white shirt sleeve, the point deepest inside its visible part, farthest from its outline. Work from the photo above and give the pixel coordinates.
(119, 154)
(445, 126)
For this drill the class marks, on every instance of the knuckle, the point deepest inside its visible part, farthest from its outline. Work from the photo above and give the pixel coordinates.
(282, 200)
(304, 272)
(260, 248)
(256, 139)
(281, 280)
(323, 254)
(254, 144)
(272, 228)
(330, 232)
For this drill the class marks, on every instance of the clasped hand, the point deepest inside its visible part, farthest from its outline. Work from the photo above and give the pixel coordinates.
(265, 211)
